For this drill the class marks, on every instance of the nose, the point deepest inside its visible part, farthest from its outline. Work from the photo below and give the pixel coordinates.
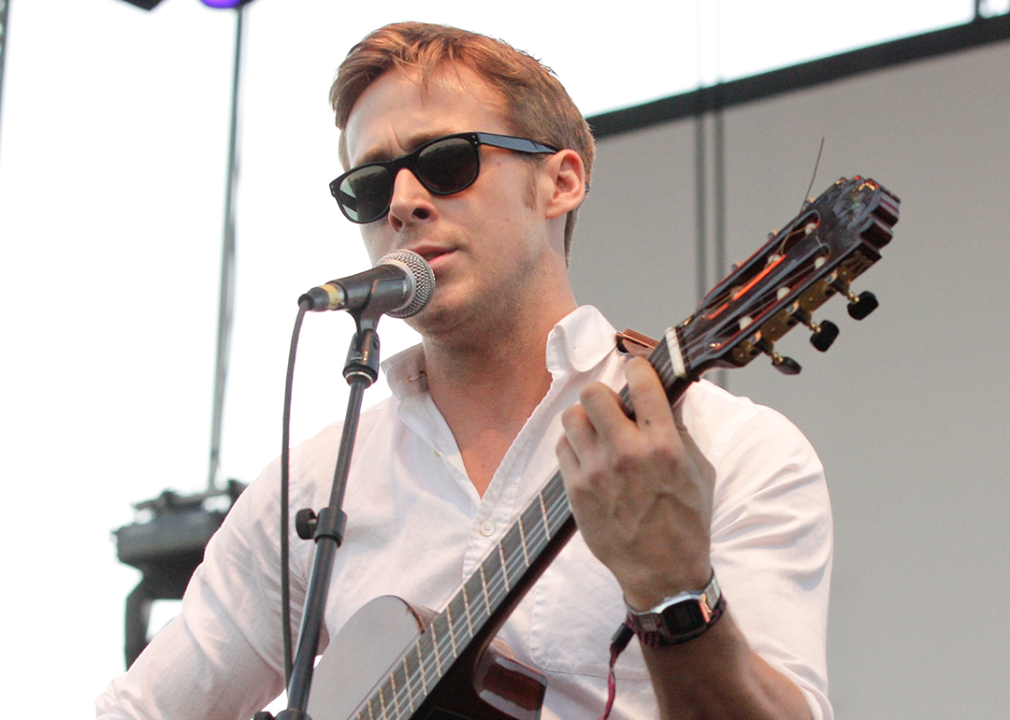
(411, 202)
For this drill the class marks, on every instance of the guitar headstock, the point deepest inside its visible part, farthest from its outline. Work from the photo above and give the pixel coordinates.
(835, 238)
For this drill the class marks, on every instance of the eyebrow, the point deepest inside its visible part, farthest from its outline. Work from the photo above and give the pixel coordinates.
(416, 141)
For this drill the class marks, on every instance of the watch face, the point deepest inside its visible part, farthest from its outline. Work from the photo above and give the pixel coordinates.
(684, 617)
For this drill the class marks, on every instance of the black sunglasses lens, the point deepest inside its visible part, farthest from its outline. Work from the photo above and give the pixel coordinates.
(449, 165)
(364, 195)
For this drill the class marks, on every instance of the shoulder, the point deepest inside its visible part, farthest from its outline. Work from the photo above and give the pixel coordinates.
(753, 448)
(312, 463)
(715, 416)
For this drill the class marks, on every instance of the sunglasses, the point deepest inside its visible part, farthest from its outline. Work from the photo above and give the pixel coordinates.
(443, 166)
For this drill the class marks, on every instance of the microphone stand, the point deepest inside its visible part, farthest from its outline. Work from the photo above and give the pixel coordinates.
(360, 370)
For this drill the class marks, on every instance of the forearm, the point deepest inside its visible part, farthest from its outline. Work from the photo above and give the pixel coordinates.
(717, 675)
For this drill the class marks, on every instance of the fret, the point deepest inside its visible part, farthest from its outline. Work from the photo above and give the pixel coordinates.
(447, 651)
(536, 535)
(554, 498)
(420, 665)
(371, 713)
(543, 512)
(513, 554)
(407, 675)
(426, 651)
(493, 571)
(474, 591)
(460, 619)
(504, 568)
(452, 633)
(434, 643)
(382, 702)
(466, 604)
(487, 598)
(522, 540)
(395, 694)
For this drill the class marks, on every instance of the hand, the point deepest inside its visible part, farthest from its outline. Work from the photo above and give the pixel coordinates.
(640, 492)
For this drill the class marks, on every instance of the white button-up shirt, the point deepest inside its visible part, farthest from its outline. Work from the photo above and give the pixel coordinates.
(417, 528)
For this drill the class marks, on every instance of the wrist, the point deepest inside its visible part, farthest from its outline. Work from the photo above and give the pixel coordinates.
(646, 592)
(679, 617)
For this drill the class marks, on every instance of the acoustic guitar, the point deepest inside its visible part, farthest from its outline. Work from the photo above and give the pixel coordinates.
(436, 666)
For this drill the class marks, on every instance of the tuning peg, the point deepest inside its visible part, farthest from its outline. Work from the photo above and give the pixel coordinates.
(863, 305)
(824, 333)
(859, 305)
(785, 365)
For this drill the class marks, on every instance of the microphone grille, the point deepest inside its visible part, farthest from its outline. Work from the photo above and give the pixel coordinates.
(424, 280)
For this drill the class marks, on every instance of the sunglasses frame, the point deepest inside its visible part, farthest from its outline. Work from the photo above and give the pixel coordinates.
(409, 161)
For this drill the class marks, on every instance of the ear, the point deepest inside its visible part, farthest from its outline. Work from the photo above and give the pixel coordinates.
(566, 176)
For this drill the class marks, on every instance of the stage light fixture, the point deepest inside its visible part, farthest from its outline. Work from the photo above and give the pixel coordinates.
(218, 4)
(225, 4)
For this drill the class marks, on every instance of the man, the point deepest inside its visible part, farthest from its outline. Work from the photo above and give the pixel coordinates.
(478, 422)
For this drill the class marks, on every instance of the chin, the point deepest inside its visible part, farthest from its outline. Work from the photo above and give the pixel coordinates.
(446, 316)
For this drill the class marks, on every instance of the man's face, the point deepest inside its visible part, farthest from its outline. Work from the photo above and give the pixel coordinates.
(489, 245)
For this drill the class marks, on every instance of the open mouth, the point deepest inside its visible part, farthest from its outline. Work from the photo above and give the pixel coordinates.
(432, 256)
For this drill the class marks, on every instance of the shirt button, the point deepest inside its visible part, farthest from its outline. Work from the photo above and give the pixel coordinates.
(487, 528)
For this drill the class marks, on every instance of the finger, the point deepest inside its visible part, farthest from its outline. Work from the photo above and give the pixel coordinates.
(648, 398)
(568, 460)
(580, 434)
(603, 409)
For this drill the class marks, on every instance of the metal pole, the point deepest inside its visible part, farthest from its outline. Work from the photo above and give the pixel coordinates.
(227, 298)
(4, 28)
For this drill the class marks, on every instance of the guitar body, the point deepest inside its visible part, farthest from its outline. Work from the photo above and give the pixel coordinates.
(486, 685)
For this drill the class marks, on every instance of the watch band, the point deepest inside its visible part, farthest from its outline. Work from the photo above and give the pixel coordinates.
(680, 617)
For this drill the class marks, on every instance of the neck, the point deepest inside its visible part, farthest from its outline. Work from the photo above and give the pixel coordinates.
(487, 382)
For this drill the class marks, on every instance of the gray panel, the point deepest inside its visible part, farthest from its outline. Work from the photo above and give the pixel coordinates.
(909, 409)
(633, 255)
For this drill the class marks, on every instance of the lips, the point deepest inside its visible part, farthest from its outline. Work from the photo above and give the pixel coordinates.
(432, 255)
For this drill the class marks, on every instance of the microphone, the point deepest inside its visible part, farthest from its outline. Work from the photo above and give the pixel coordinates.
(400, 284)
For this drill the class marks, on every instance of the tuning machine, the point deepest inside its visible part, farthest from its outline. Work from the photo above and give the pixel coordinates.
(825, 332)
(785, 365)
(860, 305)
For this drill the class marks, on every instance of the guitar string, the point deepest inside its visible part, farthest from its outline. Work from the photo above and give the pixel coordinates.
(698, 340)
(846, 231)
(497, 590)
(558, 513)
(401, 693)
(794, 277)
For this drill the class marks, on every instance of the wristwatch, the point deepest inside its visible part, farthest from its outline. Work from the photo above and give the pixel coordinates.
(678, 618)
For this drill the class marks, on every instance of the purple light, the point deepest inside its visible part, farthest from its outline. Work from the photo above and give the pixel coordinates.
(221, 3)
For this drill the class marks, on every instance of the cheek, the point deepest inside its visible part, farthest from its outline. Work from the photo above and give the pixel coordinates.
(374, 242)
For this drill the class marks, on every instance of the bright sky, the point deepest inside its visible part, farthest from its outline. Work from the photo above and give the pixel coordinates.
(113, 143)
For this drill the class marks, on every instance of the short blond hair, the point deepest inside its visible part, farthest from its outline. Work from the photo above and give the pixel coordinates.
(536, 105)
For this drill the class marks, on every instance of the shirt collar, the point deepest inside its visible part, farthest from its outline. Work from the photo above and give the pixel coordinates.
(579, 342)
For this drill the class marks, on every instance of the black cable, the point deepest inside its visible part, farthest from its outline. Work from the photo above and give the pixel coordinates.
(303, 308)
